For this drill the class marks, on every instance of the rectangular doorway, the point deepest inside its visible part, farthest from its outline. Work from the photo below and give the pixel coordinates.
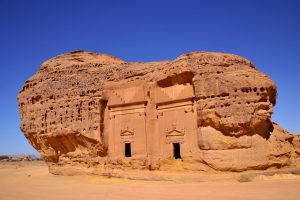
(127, 149)
(176, 150)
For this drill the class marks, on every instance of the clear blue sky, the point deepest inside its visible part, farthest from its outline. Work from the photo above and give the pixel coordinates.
(265, 32)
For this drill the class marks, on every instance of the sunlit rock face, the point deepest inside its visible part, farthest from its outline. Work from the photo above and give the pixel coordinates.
(91, 113)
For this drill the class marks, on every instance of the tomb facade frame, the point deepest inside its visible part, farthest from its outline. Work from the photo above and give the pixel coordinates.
(171, 111)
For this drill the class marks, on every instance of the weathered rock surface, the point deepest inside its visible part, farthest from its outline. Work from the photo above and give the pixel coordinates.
(66, 110)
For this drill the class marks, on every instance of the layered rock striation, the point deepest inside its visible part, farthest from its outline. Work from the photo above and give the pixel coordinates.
(212, 111)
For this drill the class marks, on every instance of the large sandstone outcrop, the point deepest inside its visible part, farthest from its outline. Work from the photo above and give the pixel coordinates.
(79, 109)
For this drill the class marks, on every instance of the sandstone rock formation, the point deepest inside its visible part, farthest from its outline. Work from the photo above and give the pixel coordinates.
(89, 113)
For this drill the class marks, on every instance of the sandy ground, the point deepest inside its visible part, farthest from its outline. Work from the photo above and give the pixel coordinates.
(32, 181)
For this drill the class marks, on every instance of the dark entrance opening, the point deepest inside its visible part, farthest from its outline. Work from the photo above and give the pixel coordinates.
(176, 150)
(127, 150)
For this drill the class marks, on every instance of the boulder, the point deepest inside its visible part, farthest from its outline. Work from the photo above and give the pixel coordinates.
(92, 112)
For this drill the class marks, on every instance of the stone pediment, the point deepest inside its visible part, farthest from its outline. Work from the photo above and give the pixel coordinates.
(174, 131)
(127, 132)
(174, 134)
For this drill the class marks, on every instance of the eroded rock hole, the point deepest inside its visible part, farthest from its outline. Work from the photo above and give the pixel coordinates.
(182, 78)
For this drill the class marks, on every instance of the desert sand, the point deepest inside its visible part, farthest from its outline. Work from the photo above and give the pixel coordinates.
(31, 180)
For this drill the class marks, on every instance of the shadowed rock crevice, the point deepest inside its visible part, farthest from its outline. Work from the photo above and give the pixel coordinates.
(181, 79)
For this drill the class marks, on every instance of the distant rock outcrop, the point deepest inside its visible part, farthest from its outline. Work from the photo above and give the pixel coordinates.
(89, 113)
(17, 158)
